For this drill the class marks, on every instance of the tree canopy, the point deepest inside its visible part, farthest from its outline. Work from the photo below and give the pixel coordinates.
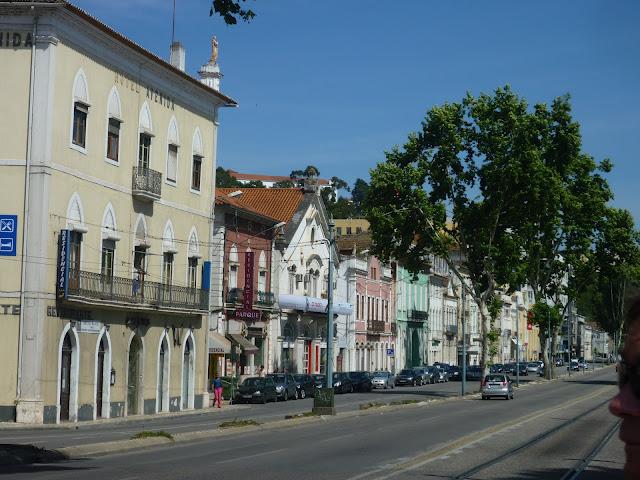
(231, 11)
(225, 180)
(501, 191)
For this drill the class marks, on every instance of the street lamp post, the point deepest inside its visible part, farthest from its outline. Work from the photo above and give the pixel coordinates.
(330, 309)
(517, 343)
(464, 343)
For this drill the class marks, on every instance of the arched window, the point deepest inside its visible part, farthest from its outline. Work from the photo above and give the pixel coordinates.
(173, 141)
(292, 279)
(197, 155)
(114, 119)
(146, 133)
(108, 246)
(192, 259)
(233, 269)
(168, 253)
(80, 112)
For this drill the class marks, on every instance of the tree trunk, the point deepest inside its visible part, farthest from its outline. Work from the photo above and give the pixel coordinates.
(486, 327)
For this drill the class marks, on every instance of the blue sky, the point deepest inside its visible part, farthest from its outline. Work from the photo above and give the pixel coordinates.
(335, 83)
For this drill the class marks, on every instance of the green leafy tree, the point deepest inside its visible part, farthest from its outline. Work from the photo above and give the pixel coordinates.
(464, 164)
(358, 194)
(614, 272)
(284, 184)
(225, 180)
(255, 184)
(231, 11)
(563, 199)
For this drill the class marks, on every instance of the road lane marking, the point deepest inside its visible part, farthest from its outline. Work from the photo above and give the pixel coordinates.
(235, 459)
(403, 466)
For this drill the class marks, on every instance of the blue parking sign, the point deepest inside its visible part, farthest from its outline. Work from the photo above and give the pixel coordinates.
(8, 235)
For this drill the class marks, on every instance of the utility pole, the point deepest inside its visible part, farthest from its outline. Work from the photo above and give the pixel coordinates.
(464, 342)
(517, 342)
(330, 309)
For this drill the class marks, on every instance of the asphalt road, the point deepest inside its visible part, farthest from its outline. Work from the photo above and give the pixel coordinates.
(547, 430)
(88, 432)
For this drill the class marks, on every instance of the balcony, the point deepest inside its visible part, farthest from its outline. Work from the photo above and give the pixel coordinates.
(375, 326)
(94, 288)
(451, 330)
(235, 296)
(146, 184)
(418, 315)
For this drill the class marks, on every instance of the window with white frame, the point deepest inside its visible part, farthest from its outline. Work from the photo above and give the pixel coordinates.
(192, 272)
(172, 162)
(113, 139)
(80, 113)
(196, 172)
(144, 152)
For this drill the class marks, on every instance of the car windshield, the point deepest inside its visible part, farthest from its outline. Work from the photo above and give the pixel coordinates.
(253, 382)
(278, 378)
(406, 372)
(319, 378)
(300, 378)
(533, 364)
(494, 378)
(380, 374)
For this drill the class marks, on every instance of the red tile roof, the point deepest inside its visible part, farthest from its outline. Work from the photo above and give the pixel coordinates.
(267, 178)
(277, 203)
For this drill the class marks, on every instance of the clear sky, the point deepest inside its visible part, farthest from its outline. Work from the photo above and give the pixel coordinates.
(335, 83)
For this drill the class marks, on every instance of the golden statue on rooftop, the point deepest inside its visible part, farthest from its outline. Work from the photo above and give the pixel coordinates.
(214, 50)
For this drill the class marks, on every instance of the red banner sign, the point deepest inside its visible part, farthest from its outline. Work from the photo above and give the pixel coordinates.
(248, 281)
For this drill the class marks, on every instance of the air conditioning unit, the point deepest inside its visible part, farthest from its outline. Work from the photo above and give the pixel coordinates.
(299, 277)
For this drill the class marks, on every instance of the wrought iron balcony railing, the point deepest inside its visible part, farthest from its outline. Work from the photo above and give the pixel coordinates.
(95, 286)
(146, 184)
(260, 299)
(376, 326)
(418, 315)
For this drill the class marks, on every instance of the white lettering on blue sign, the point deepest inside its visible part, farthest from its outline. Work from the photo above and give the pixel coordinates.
(8, 235)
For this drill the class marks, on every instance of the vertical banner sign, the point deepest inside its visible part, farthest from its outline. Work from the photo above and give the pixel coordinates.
(62, 278)
(248, 281)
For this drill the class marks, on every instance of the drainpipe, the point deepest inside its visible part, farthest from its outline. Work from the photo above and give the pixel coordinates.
(27, 171)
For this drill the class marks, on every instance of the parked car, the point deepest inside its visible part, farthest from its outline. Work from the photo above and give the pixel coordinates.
(559, 363)
(533, 367)
(361, 381)
(574, 365)
(319, 380)
(522, 368)
(407, 376)
(497, 385)
(474, 372)
(305, 385)
(383, 380)
(441, 375)
(256, 389)
(285, 385)
(509, 368)
(342, 383)
(496, 368)
(455, 373)
(424, 375)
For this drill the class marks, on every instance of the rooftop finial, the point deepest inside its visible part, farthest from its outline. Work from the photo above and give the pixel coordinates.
(214, 50)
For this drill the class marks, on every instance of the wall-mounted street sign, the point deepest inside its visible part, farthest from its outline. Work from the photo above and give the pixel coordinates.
(8, 235)
(390, 352)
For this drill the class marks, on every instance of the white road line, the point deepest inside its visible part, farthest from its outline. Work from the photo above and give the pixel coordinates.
(333, 439)
(252, 456)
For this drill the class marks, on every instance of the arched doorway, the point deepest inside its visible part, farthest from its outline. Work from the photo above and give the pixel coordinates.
(187, 374)
(100, 383)
(134, 377)
(65, 377)
(415, 348)
(162, 399)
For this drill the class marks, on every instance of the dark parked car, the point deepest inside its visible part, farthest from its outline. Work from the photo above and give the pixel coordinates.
(361, 381)
(509, 368)
(522, 368)
(474, 373)
(342, 383)
(407, 377)
(424, 375)
(256, 389)
(285, 385)
(496, 368)
(319, 380)
(441, 373)
(455, 373)
(305, 385)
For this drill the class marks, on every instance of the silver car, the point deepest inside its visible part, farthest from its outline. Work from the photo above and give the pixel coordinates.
(497, 385)
(383, 380)
(533, 367)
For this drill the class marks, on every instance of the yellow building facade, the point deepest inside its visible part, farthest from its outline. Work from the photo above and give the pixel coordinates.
(107, 163)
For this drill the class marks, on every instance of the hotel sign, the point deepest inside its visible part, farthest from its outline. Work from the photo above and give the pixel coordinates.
(62, 277)
(152, 94)
(247, 311)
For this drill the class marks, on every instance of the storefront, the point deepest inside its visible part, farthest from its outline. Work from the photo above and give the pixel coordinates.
(219, 350)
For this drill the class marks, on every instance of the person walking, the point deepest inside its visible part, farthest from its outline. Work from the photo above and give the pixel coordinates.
(261, 372)
(217, 391)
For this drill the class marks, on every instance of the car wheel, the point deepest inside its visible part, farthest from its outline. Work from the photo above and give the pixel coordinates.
(385, 386)
(484, 397)
(303, 394)
(263, 400)
(507, 397)
(351, 389)
(296, 396)
(285, 395)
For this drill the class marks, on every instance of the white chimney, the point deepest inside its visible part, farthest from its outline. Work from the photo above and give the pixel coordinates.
(177, 55)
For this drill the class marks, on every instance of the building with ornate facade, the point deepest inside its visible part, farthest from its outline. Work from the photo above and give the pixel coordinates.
(107, 165)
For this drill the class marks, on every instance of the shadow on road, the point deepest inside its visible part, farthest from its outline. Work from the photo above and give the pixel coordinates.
(20, 455)
(593, 382)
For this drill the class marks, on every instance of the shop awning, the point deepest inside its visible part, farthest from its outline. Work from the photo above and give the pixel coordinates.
(218, 344)
(245, 344)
